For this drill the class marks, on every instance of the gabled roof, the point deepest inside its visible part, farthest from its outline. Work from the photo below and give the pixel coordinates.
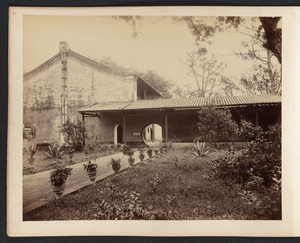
(45, 64)
(94, 64)
(186, 104)
(106, 106)
(89, 62)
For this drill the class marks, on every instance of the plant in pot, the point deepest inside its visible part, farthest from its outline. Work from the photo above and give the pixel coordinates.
(129, 152)
(131, 160)
(149, 152)
(91, 170)
(142, 154)
(156, 150)
(58, 179)
(115, 164)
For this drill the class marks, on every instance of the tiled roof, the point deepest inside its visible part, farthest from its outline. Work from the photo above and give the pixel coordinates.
(105, 106)
(87, 61)
(45, 64)
(191, 103)
(94, 64)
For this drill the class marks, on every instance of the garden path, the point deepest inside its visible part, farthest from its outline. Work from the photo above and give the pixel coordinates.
(37, 190)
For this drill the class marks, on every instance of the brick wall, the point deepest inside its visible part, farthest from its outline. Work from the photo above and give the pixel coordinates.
(86, 85)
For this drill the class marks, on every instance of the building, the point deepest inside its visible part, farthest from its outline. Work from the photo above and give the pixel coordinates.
(55, 91)
(136, 121)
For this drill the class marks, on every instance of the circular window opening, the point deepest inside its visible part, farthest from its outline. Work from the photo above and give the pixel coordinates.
(152, 135)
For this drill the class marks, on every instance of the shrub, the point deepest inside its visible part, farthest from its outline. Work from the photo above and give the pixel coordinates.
(214, 121)
(248, 131)
(230, 169)
(259, 165)
(75, 133)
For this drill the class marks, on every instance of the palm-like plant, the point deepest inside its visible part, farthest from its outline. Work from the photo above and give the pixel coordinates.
(54, 151)
(201, 149)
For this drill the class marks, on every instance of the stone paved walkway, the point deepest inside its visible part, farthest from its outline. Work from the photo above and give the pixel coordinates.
(37, 189)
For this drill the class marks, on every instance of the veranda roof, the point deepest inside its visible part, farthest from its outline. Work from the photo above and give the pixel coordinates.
(185, 104)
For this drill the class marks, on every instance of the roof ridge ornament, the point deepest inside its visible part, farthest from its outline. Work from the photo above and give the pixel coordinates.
(64, 47)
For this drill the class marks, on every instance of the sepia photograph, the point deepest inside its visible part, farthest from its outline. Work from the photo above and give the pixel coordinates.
(155, 118)
(177, 117)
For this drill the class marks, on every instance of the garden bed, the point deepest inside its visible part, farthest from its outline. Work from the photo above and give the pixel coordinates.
(162, 189)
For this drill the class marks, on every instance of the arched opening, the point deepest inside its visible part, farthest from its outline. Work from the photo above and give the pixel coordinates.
(118, 134)
(152, 134)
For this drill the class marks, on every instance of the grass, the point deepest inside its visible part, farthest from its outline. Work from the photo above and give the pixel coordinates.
(159, 190)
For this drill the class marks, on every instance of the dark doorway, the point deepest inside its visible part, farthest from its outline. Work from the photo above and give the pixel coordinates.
(119, 134)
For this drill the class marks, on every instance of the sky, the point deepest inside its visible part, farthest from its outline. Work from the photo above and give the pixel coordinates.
(161, 45)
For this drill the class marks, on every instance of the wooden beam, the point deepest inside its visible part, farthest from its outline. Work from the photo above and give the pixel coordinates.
(124, 128)
(166, 127)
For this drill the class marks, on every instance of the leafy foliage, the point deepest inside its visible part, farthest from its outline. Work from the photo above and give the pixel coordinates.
(201, 149)
(213, 121)
(154, 183)
(259, 165)
(131, 160)
(267, 30)
(90, 166)
(55, 151)
(183, 193)
(59, 175)
(127, 150)
(75, 133)
(115, 164)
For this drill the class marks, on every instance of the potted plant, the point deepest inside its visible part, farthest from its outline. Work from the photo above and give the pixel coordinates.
(115, 164)
(91, 170)
(142, 154)
(149, 152)
(58, 179)
(131, 160)
(129, 152)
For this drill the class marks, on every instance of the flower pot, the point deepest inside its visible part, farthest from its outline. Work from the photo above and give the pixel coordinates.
(59, 190)
(92, 175)
(131, 161)
(141, 156)
(116, 168)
